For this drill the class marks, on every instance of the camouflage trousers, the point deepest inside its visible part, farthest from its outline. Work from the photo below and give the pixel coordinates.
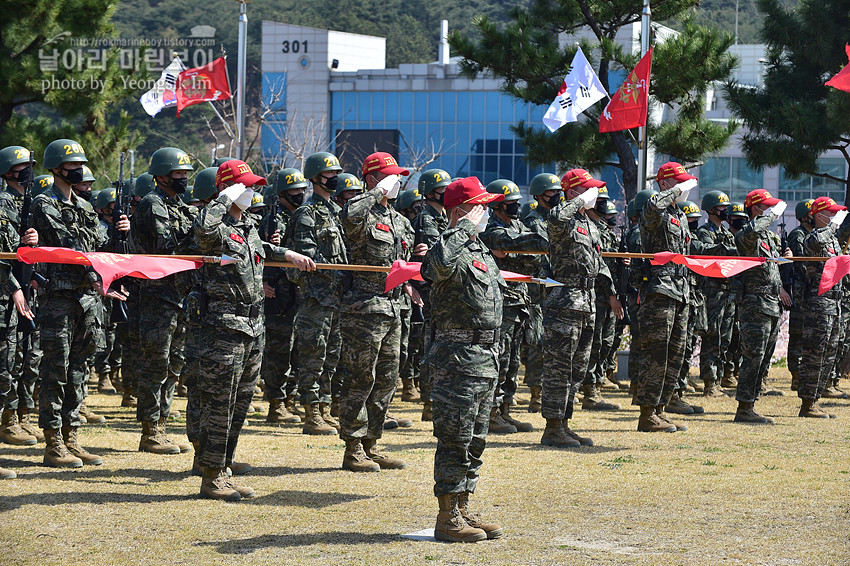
(26, 360)
(70, 329)
(532, 346)
(690, 346)
(131, 343)
(619, 330)
(715, 340)
(759, 332)
(663, 325)
(317, 334)
(7, 356)
(634, 330)
(843, 339)
(820, 344)
(160, 333)
(190, 376)
(369, 368)
(110, 356)
(568, 339)
(795, 339)
(279, 370)
(229, 367)
(603, 342)
(514, 320)
(733, 356)
(461, 408)
(410, 359)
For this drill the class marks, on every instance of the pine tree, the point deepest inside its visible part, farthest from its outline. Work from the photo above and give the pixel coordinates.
(526, 53)
(793, 118)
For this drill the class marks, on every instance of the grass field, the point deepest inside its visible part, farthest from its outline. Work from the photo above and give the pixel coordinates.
(719, 493)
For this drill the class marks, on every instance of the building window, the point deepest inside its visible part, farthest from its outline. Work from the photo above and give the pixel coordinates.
(731, 175)
(807, 187)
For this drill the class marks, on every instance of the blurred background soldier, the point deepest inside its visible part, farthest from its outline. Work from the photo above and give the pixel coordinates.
(348, 186)
(409, 203)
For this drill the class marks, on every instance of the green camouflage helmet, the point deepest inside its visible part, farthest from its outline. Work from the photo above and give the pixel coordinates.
(144, 184)
(11, 156)
(603, 193)
(348, 182)
(642, 197)
(714, 198)
(319, 163)
(544, 182)
(204, 188)
(188, 195)
(610, 208)
(407, 198)
(630, 209)
(433, 179)
(104, 198)
(257, 201)
(168, 159)
(527, 208)
(504, 187)
(62, 151)
(42, 183)
(803, 208)
(88, 176)
(737, 209)
(287, 179)
(219, 160)
(690, 209)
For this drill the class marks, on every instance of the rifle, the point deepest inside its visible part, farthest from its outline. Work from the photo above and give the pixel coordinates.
(24, 273)
(120, 208)
(271, 226)
(623, 276)
(786, 271)
(273, 306)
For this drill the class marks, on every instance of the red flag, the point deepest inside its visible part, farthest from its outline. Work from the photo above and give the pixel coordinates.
(202, 84)
(709, 266)
(841, 80)
(108, 265)
(833, 270)
(403, 271)
(628, 107)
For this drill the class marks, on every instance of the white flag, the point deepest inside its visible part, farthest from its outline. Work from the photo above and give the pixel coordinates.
(162, 94)
(580, 90)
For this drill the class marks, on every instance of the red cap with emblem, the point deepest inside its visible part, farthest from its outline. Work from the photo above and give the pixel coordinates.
(673, 170)
(238, 172)
(580, 178)
(821, 204)
(468, 190)
(383, 162)
(760, 196)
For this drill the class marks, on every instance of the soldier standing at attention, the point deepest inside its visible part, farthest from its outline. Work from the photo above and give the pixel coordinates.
(803, 212)
(466, 294)
(70, 316)
(231, 332)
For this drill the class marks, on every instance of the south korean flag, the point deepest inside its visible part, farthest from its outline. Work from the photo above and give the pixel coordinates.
(579, 91)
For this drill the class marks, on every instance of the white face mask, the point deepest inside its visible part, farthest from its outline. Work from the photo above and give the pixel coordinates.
(685, 187)
(390, 185)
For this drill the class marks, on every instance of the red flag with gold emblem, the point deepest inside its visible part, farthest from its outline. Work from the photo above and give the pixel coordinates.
(841, 80)
(202, 84)
(628, 107)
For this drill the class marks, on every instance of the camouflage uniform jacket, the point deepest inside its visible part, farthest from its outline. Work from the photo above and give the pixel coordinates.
(375, 235)
(822, 242)
(285, 290)
(610, 243)
(466, 294)
(9, 242)
(68, 224)
(760, 284)
(633, 246)
(710, 234)
(317, 233)
(12, 202)
(234, 291)
(429, 224)
(515, 236)
(535, 222)
(795, 244)
(575, 247)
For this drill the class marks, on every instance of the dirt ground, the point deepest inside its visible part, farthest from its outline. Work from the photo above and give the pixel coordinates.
(719, 493)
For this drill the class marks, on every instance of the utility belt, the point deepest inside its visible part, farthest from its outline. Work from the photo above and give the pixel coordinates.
(374, 288)
(463, 336)
(772, 290)
(236, 309)
(672, 269)
(580, 282)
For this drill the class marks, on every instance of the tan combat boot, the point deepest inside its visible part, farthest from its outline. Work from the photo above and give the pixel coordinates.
(822, 410)
(12, 433)
(293, 408)
(152, 440)
(355, 458)
(831, 391)
(278, 413)
(535, 404)
(183, 446)
(649, 422)
(451, 526)
(795, 380)
(315, 424)
(712, 389)
(238, 468)
(519, 425)
(427, 411)
(197, 468)
(56, 454)
(594, 401)
(409, 394)
(659, 410)
(325, 411)
(244, 491)
(104, 384)
(555, 435)
(746, 414)
(583, 440)
(89, 416)
(334, 412)
(492, 530)
(7, 474)
(498, 425)
(696, 386)
(29, 426)
(384, 461)
(608, 384)
(115, 379)
(402, 422)
(812, 410)
(729, 381)
(215, 485)
(679, 406)
(73, 445)
(128, 399)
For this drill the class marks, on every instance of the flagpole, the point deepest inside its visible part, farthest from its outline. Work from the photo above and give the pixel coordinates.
(240, 78)
(646, 18)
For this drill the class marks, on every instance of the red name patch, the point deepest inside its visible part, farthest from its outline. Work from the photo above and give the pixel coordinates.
(581, 230)
(675, 221)
(257, 259)
(404, 245)
(831, 250)
(237, 238)
(479, 265)
(765, 246)
(382, 227)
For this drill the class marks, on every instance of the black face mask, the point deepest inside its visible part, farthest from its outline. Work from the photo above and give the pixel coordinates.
(331, 184)
(693, 225)
(554, 200)
(512, 209)
(601, 205)
(415, 209)
(85, 195)
(24, 176)
(179, 185)
(611, 221)
(73, 176)
(738, 223)
(723, 214)
(437, 197)
(294, 200)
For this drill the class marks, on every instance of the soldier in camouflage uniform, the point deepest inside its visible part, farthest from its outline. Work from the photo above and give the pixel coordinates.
(161, 224)
(762, 300)
(820, 312)
(231, 331)
(638, 274)
(466, 292)
(70, 315)
(348, 187)
(569, 312)
(370, 319)
(796, 279)
(316, 233)
(737, 220)
(428, 226)
(505, 232)
(279, 371)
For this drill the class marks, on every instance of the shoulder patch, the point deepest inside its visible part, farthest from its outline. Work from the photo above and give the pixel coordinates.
(582, 230)
(479, 265)
(675, 221)
(765, 245)
(236, 238)
(382, 227)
